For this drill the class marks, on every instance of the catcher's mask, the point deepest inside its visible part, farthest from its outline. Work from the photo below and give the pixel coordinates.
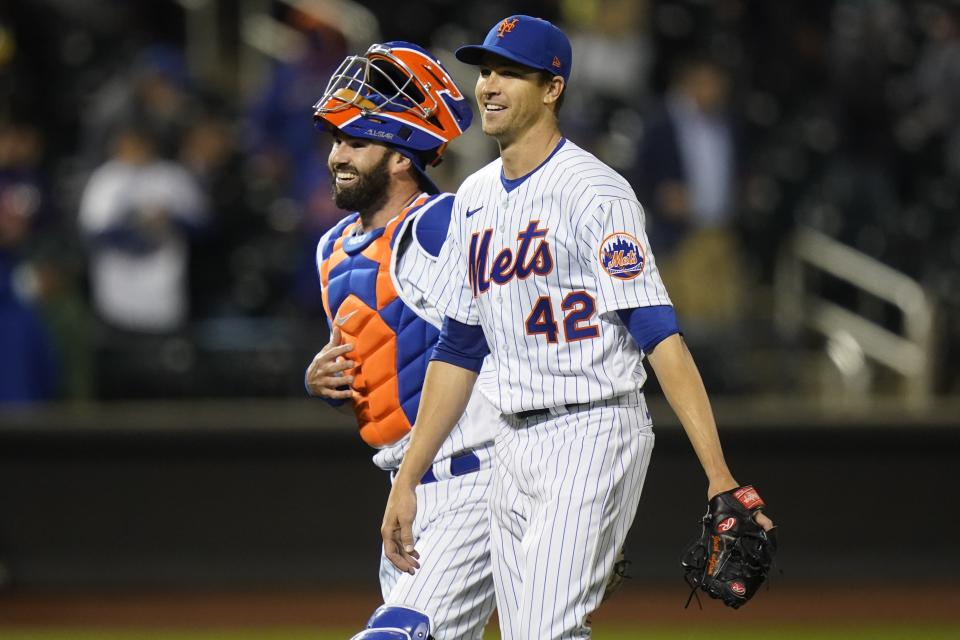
(399, 95)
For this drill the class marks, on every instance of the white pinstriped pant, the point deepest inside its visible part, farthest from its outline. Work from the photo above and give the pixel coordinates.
(454, 585)
(564, 495)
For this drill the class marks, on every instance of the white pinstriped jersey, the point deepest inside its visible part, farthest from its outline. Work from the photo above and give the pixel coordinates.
(413, 268)
(542, 267)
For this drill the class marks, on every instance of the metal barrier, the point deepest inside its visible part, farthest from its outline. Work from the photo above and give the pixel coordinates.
(851, 337)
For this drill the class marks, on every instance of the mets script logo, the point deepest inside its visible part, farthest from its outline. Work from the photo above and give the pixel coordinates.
(532, 257)
(621, 256)
(727, 524)
(506, 26)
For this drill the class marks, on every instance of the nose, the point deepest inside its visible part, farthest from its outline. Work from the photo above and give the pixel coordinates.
(489, 85)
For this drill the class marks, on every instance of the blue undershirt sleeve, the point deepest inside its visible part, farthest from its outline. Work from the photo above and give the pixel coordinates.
(649, 326)
(463, 345)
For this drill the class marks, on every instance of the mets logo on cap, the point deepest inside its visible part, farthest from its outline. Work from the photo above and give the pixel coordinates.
(506, 26)
(622, 256)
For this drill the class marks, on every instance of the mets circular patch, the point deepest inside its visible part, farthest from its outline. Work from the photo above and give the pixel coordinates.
(622, 256)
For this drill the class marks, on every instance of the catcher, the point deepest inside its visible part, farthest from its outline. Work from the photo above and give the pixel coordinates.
(733, 554)
(390, 114)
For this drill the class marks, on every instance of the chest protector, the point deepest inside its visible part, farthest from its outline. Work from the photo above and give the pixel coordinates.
(392, 344)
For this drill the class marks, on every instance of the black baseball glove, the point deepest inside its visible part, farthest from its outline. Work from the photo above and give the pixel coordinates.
(615, 581)
(617, 576)
(733, 554)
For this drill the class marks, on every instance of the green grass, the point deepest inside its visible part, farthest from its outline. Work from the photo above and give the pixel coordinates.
(112, 634)
(756, 632)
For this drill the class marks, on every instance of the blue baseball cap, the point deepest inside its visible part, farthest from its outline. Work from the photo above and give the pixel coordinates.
(532, 42)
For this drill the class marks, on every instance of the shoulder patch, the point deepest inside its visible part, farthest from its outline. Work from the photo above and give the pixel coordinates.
(430, 227)
(622, 256)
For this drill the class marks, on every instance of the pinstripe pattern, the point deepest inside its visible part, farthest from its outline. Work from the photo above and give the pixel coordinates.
(453, 583)
(454, 586)
(563, 498)
(414, 268)
(581, 202)
(542, 265)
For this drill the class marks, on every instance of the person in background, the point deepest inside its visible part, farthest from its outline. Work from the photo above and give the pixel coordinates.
(29, 369)
(138, 213)
(688, 178)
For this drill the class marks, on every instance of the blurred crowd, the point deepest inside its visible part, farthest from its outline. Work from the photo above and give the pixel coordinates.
(159, 207)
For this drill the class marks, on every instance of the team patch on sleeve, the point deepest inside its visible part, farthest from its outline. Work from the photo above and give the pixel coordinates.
(622, 256)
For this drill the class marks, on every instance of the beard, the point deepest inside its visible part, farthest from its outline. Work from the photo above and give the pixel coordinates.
(367, 193)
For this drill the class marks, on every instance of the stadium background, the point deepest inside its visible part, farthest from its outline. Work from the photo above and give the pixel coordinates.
(178, 479)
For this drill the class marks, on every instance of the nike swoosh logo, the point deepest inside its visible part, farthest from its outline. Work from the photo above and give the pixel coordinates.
(342, 320)
(470, 212)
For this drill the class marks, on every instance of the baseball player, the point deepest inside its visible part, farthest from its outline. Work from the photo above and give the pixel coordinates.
(391, 112)
(551, 273)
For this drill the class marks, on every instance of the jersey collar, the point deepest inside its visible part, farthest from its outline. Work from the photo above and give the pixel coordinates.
(510, 185)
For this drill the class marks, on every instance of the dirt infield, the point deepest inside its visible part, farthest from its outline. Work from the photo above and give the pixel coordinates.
(831, 605)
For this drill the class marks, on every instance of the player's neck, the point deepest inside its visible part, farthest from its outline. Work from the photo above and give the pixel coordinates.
(396, 201)
(527, 151)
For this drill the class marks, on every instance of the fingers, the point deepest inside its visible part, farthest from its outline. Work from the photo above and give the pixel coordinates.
(332, 353)
(340, 364)
(331, 357)
(319, 369)
(397, 532)
(398, 549)
(336, 337)
(323, 367)
(331, 386)
(392, 551)
(764, 521)
(406, 561)
(336, 394)
(325, 376)
(406, 539)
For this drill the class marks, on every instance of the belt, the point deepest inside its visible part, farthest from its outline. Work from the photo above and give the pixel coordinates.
(577, 406)
(540, 413)
(460, 465)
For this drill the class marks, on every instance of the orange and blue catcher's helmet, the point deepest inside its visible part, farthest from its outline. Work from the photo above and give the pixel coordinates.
(397, 94)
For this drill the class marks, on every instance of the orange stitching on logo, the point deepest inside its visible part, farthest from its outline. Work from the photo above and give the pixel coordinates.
(506, 27)
(556, 62)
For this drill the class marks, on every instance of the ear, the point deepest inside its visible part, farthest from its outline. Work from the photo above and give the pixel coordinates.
(553, 90)
(400, 163)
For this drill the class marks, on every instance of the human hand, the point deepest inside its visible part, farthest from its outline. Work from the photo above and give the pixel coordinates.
(726, 484)
(763, 521)
(397, 528)
(325, 375)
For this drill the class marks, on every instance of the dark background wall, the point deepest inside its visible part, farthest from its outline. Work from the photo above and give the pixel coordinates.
(181, 496)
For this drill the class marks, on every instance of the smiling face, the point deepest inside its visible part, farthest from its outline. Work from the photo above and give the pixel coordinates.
(512, 98)
(359, 173)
